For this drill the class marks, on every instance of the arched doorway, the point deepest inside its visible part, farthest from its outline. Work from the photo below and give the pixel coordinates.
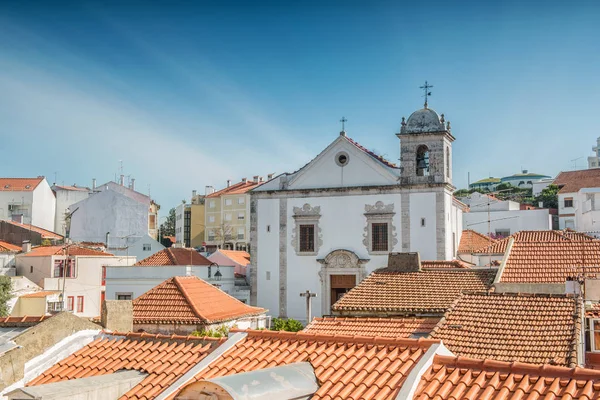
(341, 270)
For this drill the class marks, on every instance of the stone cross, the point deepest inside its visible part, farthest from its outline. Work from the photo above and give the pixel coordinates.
(308, 296)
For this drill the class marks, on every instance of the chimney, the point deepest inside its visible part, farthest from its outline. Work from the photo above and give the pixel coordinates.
(94, 184)
(117, 315)
(107, 238)
(244, 180)
(122, 180)
(572, 286)
(269, 177)
(228, 182)
(260, 179)
(193, 194)
(26, 246)
(208, 190)
(132, 184)
(404, 262)
(255, 178)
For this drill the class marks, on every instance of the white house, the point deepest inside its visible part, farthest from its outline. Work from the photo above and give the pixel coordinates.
(524, 180)
(140, 247)
(28, 201)
(326, 226)
(65, 197)
(579, 200)
(81, 277)
(490, 215)
(182, 224)
(594, 161)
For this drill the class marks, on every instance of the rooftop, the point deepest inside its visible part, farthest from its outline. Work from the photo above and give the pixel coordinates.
(237, 188)
(43, 293)
(464, 378)
(400, 293)
(372, 154)
(533, 328)
(19, 184)
(46, 234)
(574, 181)
(189, 300)
(174, 256)
(71, 250)
(238, 256)
(6, 247)
(72, 188)
(381, 327)
(472, 241)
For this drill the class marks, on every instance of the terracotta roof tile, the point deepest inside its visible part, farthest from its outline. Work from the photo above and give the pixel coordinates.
(19, 184)
(240, 257)
(512, 327)
(46, 234)
(401, 293)
(28, 320)
(593, 310)
(164, 358)
(574, 181)
(40, 294)
(382, 327)
(471, 241)
(456, 378)
(434, 264)
(372, 154)
(237, 188)
(189, 300)
(174, 256)
(6, 247)
(72, 250)
(346, 367)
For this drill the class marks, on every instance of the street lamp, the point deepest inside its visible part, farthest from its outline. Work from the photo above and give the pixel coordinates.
(218, 274)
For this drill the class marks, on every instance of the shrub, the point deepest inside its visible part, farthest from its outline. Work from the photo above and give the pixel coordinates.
(221, 331)
(289, 325)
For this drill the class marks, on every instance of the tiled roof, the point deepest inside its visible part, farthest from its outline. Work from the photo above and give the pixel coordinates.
(346, 367)
(46, 234)
(455, 378)
(240, 257)
(164, 358)
(432, 264)
(43, 251)
(574, 181)
(500, 246)
(27, 320)
(19, 184)
(530, 328)
(399, 293)
(593, 310)
(551, 257)
(6, 247)
(471, 241)
(237, 188)
(174, 256)
(372, 154)
(43, 293)
(381, 327)
(189, 300)
(72, 188)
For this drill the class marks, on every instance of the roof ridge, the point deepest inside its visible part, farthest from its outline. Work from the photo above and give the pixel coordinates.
(377, 157)
(519, 294)
(146, 335)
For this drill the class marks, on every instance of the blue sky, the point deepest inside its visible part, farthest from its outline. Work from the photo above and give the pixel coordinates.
(167, 87)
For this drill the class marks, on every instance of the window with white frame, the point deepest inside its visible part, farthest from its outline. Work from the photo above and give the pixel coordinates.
(228, 202)
(306, 236)
(241, 232)
(211, 235)
(568, 202)
(211, 218)
(241, 200)
(227, 217)
(124, 295)
(211, 204)
(380, 232)
(241, 216)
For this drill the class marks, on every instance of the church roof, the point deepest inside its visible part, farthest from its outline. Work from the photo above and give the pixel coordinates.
(372, 154)
(424, 120)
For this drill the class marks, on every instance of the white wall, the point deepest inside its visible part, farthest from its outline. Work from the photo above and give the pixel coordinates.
(44, 206)
(267, 279)
(422, 205)
(585, 213)
(64, 199)
(519, 220)
(133, 246)
(478, 202)
(179, 223)
(24, 199)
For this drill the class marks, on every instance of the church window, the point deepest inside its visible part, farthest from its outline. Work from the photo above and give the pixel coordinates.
(307, 238)
(342, 158)
(447, 162)
(422, 160)
(379, 236)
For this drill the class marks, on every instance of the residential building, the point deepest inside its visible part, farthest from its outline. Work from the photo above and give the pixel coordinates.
(76, 271)
(36, 303)
(66, 196)
(408, 327)
(28, 201)
(186, 304)
(335, 220)
(579, 200)
(540, 185)
(471, 242)
(501, 218)
(197, 221)
(227, 215)
(17, 234)
(183, 216)
(140, 247)
(7, 258)
(524, 180)
(487, 184)
(113, 210)
(239, 259)
(130, 282)
(594, 161)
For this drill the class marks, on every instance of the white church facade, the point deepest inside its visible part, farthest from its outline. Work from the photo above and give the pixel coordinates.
(325, 227)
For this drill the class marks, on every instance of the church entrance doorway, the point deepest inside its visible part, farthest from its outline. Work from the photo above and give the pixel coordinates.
(340, 285)
(341, 270)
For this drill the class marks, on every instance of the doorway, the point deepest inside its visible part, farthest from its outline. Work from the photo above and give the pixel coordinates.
(340, 285)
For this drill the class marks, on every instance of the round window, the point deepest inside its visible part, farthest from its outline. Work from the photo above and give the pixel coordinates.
(342, 158)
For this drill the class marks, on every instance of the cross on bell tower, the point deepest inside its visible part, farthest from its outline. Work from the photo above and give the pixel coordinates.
(426, 88)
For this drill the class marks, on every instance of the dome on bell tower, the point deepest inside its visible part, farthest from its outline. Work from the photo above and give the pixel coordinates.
(424, 120)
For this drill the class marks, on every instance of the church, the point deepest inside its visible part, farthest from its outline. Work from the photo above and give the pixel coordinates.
(328, 225)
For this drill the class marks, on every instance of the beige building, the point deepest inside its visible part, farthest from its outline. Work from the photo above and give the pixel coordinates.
(197, 220)
(227, 215)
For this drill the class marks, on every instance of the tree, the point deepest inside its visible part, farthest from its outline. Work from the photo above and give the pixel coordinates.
(5, 294)
(167, 228)
(224, 234)
(289, 325)
(548, 196)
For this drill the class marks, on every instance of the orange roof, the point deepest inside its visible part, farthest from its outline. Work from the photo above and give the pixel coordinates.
(164, 358)
(174, 256)
(19, 184)
(46, 234)
(71, 250)
(372, 154)
(432, 264)
(534, 328)
(41, 294)
(189, 300)
(238, 256)
(171, 238)
(551, 257)
(27, 320)
(238, 188)
(382, 327)
(471, 241)
(6, 247)
(574, 181)
(464, 378)
(346, 367)
(401, 293)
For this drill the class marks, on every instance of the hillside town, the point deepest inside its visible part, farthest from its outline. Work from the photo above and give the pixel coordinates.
(351, 277)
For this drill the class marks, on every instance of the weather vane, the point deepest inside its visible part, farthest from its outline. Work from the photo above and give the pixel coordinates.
(343, 121)
(426, 88)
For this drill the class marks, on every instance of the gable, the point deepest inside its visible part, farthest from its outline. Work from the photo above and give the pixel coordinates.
(363, 168)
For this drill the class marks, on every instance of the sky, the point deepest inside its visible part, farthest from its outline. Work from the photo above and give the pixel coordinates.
(189, 94)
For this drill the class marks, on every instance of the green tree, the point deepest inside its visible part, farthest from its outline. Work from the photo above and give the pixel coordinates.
(5, 294)
(167, 228)
(548, 196)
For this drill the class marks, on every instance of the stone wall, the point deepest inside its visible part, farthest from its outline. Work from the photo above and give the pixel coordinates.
(117, 315)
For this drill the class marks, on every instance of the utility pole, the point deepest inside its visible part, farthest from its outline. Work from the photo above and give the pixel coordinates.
(308, 296)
